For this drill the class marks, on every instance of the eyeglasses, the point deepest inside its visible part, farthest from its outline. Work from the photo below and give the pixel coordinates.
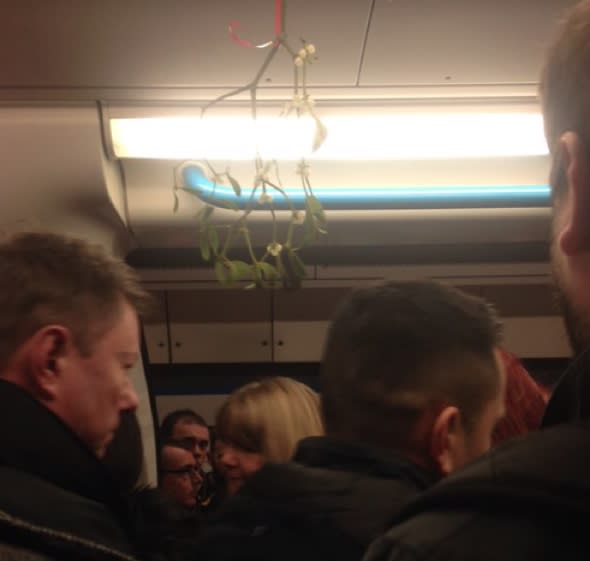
(186, 470)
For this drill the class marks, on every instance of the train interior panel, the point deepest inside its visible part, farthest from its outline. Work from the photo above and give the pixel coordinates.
(420, 192)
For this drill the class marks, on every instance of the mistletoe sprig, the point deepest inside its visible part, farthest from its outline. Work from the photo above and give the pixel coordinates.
(280, 261)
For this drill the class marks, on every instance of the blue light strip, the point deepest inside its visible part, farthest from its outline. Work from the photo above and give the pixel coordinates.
(378, 198)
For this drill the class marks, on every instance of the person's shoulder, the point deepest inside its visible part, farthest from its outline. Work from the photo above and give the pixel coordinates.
(280, 512)
(43, 513)
(420, 537)
(298, 481)
(23, 540)
(486, 535)
(26, 496)
(259, 540)
(20, 553)
(305, 512)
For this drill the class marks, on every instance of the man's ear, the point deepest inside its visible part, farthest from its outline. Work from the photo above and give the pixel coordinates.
(574, 234)
(446, 441)
(49, 349)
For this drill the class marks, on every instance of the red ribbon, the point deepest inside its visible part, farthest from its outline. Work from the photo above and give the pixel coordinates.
(234, 25)
(278, 17)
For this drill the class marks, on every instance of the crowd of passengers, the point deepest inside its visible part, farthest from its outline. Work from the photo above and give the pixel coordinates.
(427, 441)
(284, 472)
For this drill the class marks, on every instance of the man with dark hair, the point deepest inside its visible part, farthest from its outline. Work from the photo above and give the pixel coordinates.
(411, 390)
(411, 366)
(189, 430)
(68, 338)
(528, 499)
(180, 477)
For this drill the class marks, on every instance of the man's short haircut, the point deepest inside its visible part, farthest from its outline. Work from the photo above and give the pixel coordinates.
(179, 416)
(49, 279)
(565, 84)
(395, 349)
(161, 456)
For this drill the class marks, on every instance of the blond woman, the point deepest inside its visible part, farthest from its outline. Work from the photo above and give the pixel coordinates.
(263, 422)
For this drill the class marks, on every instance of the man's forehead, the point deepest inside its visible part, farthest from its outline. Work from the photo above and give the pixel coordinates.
(123, 335)
(188, 428)
(177, 457)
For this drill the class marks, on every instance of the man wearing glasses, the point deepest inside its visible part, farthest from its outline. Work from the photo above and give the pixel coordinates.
(189, 430)
(180, 475)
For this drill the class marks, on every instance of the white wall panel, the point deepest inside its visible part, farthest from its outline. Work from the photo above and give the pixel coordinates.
(299, 341)
(220, 325)
(156, 340)
(155, 330)
(221, 342)
(527, 337)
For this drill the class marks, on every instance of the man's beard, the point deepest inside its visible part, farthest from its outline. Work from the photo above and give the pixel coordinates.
(577, 327)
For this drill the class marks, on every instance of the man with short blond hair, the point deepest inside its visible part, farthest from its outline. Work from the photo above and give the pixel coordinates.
(69, 334)
(529, 499)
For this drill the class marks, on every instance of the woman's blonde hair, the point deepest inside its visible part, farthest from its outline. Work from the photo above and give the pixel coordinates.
(269, 417)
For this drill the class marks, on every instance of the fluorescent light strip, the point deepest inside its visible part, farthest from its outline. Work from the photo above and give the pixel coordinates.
(350, 137)
(377, 198)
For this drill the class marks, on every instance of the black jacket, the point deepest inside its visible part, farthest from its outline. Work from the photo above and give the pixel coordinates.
(57, 500)
(161, 530)
(526, 500)
(327, 504)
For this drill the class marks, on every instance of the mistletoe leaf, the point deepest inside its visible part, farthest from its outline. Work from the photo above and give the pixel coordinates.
(269, 272)
(204, 244)
(235, 185)
(296, 263)
(221, 272)
(213, 239)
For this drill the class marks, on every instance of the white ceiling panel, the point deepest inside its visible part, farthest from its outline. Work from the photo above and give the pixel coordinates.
(171, 43)
(423, 42)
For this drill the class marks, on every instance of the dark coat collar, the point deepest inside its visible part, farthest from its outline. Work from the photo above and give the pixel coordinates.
(337, 496)
(545, 472)
(570, 400)
(35, 441)
(331, 453)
